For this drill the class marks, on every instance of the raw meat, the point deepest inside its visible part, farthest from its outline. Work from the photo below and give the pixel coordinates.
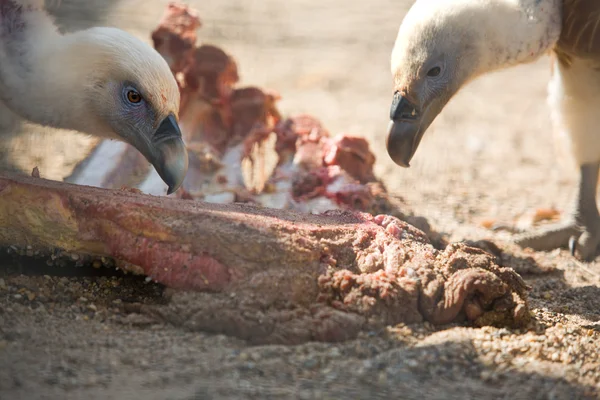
(175, 37)
(241, 148)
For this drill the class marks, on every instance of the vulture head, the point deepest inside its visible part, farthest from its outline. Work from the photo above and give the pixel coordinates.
(433, 57)
(125, 90)
(444, 44)
(100, 81)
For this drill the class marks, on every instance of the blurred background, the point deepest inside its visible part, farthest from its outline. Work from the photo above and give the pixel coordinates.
(491, 152)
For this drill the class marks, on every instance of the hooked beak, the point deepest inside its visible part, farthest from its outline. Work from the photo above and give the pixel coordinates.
(407, 126)
(168, 153)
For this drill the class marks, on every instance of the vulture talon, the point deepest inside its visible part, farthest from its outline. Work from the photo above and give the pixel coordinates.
(581, 244)
(572, 245)
(586, 245)
(548, 238)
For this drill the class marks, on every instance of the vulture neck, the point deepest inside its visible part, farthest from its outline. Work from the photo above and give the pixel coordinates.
(44, 74)
(516, 31)
(63, 81)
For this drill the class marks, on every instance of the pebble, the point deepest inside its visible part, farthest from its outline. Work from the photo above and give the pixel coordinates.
(411, 363)
(310, 363)
(488, 376)
(2, 284)
(91, 381)
(335, 352)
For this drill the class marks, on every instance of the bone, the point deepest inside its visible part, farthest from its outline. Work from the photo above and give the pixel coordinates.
(112, 164)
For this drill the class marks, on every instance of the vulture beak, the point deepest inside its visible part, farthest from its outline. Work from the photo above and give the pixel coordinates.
(168, 153)
(407, 126)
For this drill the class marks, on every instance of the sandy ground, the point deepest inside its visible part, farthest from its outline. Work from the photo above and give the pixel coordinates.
(491, 154)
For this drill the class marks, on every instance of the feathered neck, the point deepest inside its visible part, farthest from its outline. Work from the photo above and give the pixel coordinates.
(515, 31)
(42, 72)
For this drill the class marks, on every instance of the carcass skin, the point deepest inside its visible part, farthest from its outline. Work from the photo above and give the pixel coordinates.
(266, 275)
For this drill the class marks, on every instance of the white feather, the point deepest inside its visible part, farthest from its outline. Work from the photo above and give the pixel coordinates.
(46, 77)
(574, 101)
(501, 32)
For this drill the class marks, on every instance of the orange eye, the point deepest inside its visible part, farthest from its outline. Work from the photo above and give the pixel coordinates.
(134, 97)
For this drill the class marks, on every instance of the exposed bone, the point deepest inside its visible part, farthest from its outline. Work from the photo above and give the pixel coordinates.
(258, 166)
(112, 164)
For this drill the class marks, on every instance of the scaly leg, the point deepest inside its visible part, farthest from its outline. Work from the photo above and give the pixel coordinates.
(574, 103)
(582, 230)
(586, 214)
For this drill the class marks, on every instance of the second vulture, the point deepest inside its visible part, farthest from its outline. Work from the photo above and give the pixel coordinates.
(444, 44)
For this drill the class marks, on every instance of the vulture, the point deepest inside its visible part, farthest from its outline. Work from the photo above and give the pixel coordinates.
(100, 81)
(444, 44)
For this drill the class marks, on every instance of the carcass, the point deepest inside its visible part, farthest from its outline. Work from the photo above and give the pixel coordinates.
(263, 274)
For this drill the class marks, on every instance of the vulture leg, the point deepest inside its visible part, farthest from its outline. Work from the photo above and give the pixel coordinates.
(549, 238)
(586, 214)
(582, 230)
(574, 102)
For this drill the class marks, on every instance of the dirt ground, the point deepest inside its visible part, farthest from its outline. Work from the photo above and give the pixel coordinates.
(490, 155)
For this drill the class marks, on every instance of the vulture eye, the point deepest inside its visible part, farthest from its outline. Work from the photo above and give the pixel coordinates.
(134, 97)
(435, 71)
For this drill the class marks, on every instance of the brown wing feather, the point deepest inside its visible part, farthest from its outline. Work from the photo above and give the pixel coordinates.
(580, 36)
